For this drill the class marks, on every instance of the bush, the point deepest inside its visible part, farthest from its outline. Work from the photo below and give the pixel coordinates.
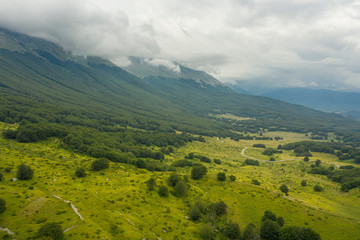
(252, 162)
(269, 230)
(272, 159)
(255, 182)
(2, 205)
(284, 189)
(251, 232)
(1, 176)
(8, 169)
(24, 172)
(198, 172)
(99, 164)
(317, 162)
(80, 172)
(259, 145)
(303, 183)
(347, 167)
(221, 176)
(232, 178)
(268, 215)
(205, 159)
(232, 230)
(151, 183)
(195, 211)
(298, 233)
(51, 231)
(163, 191)
(173, 179)
(219, 208)
(207, 232)
(180, 189)
(306, 158)
(217, 161)
(318, 188)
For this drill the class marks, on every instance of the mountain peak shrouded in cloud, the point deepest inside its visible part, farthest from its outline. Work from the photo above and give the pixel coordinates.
(267, 43)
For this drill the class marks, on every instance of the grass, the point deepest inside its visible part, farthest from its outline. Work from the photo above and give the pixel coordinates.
(118, 196)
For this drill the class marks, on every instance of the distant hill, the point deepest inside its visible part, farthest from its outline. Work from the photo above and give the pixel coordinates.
(328, 100)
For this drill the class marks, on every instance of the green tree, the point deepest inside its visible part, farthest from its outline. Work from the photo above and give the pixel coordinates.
(318, 188)
(303, 183)
(219, 208)
(306, 158)
(51, 230)
(269, 230)
(207, 232)
(151, 183)
(317, 162)
(24, 172)
(232, 178)
(217, 161)
(163, 191)
(198, 172)
(99, 164)
(255, 182)
(268, 215)
(251, 232)
(180, 189)
(298, 233)
(284, 189)
(173, 179)
(232, 230)
(2, 205)
(221, 176)
(80, 172)
(1, 176)
(195, 212)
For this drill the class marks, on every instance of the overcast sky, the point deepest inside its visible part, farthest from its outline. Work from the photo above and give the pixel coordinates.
(269, 43)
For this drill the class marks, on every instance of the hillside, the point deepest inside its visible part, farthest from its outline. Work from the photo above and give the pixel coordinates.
(328, 100)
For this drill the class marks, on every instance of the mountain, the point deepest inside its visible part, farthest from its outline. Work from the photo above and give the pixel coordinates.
(328, 100)
(237, 89)
(36, 75)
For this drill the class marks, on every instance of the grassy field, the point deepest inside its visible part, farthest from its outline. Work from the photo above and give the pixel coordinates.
(115, 203)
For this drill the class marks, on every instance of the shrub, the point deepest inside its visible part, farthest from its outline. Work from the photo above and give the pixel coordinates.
(198, 172)
(272, 159)
(303, 183)
(173, 179)
(232, 178)
(232, 230)
(99, 164)
(219, 208)
(180, 189)
(251, 232)
(259, 145)
(306, 158)
(284, 189)
(163, 191)
(298, 233)
(207, 232)
(52, 231)
(269, 230)
(268, 215)
(8, 169)
(80, 172)
(205, 159)
(217, 161)
(317, 162)
(255, 182)
(347, 167)
(151, 183)
(1, 176)
(221, 176)
(24, 172)
(252, 162)
(2, 205)
(195, 211)
(318, 188)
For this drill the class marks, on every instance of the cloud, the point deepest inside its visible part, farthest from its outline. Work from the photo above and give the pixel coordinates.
(164, 63)
(264, 43)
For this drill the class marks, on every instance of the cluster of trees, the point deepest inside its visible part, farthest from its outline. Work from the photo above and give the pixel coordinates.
(259, 145)
(252, 162)
(270, 151)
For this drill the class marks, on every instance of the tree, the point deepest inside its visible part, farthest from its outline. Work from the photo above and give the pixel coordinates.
(255, 182)
(232, 178)
(232, 230)
(217, 161)
(252, 162)
(180, 189)
(303, 183)
(269, 230)
(219, 208)
(251, 232)
(163, 191)
(207, 232)
(198, 172)
(317, 162)
(173, 179)
(318, 188)
(2, 205)
(80, 172)
(151, 183)
(284, 189)
(195, 211)
(268, 215)
(99, 164)
(298, 233)
(51, 230)
(306, 158)
(221, 176)
(1, 176)
(24, 172)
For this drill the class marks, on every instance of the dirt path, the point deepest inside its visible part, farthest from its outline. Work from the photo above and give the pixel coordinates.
(8, 231)
(72, 206)
(283, 160)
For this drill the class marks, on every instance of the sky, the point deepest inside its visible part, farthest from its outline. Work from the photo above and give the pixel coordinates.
(262, 43)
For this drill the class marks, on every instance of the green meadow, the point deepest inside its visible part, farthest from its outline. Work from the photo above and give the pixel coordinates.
(115, 203)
